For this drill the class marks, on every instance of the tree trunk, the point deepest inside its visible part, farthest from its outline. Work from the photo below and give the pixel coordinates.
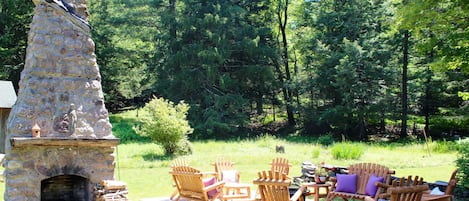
(288, 95)
(426, 106)
(3, 15)
(405, 62)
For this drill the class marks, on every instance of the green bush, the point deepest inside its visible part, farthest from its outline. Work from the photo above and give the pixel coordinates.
(326, 140)
(166, 124)
(440, 125)
(123, 129)
(463, 164)
(347, 150)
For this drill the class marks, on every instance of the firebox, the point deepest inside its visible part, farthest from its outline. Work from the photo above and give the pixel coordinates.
(65, 188)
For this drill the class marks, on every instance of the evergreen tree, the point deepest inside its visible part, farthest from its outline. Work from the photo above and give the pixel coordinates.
(15, 17)
(348, 66)
(123, 33)
(220, 63)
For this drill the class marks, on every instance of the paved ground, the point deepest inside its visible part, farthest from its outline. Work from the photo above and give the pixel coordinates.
(156, 199)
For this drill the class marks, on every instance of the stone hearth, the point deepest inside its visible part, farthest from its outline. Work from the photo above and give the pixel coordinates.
(60, 91)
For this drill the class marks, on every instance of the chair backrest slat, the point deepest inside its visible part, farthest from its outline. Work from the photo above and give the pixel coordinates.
(280, 165)
(273, 186)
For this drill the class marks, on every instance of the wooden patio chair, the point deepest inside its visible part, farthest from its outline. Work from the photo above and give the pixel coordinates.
(407, 193)
(191, 185)
(402, 182)
(274, 186)
(360, 176)
(176, 163)
(233, 188)
(449, 191)
(280, 165)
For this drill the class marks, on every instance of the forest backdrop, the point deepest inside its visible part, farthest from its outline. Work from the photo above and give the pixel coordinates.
(350, 68)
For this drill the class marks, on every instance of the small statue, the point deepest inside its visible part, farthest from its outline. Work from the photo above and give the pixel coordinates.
(72, 119)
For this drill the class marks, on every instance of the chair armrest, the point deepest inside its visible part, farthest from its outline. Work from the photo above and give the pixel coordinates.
(216, 185)
(333, 181)
(406, 189)
(208, 173)
(382, 190)
(298, 193)
(382, 185)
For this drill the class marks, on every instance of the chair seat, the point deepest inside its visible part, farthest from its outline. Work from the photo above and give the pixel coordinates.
(430, 197)
(351, 195)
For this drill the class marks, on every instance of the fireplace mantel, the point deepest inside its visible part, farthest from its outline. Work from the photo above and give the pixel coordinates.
(63, 141)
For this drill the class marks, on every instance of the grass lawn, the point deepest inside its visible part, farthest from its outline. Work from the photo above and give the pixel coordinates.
(145, 169)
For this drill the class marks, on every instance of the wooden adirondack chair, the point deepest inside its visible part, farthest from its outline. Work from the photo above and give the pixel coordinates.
(363, 172)
(233, 188)
(449, 191)
(221, 165)
(280, 165)
(273, 186)
(176, 163)
(407, 193)
(191, 185)
(402, 182)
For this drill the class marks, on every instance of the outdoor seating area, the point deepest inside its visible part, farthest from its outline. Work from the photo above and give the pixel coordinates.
(360, 181)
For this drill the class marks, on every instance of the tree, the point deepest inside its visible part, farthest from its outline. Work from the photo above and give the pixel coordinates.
(446, 20)
(285, 76)
(348, 65)
(219, 62)
(125, 56)
(15, 17)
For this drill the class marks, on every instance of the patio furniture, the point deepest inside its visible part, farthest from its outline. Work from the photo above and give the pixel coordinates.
(191, 185)
(316, 190)
(360, 182)
(176, 163)
(274, 186)
(407, 193)
(233, 189)
(280, 165)
(449, 191)
(401, 182)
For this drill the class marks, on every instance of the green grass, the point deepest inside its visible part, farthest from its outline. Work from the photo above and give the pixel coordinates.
(145, 169)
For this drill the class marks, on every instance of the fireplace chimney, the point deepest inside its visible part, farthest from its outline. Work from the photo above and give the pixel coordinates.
(60, 91)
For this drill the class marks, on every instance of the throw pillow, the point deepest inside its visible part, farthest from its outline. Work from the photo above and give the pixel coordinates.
(346, 183)
(229, 176)
(371, 188)
(208, 182)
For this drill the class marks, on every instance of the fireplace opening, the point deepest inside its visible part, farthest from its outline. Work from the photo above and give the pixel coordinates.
(66, 187)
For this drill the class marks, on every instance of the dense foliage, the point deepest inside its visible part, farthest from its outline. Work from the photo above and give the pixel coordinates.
(346, 68)
(463, 164)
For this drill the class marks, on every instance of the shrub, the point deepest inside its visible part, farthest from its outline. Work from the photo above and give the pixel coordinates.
(347, 150)
(463, 164)
(326, 140)
(166, 124)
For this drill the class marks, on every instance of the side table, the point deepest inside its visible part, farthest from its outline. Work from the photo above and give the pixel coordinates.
(316, 190)
(236, 191)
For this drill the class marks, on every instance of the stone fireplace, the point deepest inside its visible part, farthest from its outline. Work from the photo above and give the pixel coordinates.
(60, 91)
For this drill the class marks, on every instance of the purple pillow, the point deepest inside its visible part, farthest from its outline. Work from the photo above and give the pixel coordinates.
(371, 188)
(346, 183)
(208, 182)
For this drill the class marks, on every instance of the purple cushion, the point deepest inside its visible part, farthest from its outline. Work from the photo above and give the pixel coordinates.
(208, 182)
(346, 183)
(371, 188)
